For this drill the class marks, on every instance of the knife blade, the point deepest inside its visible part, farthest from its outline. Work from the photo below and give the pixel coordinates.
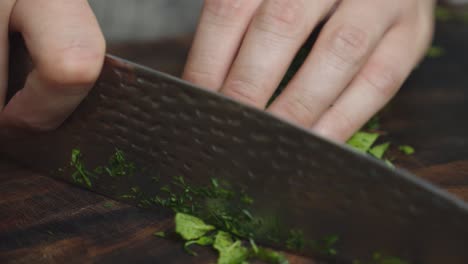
(168, 127)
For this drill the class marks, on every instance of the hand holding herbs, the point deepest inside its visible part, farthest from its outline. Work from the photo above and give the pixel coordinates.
(358, 62)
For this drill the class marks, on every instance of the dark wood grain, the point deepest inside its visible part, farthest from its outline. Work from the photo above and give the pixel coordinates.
(46, 221)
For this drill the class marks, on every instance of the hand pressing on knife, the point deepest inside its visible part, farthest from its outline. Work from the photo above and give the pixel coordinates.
(363, 54)
(67, 49)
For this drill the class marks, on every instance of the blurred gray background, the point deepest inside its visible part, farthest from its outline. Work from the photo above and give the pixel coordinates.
(143, 20)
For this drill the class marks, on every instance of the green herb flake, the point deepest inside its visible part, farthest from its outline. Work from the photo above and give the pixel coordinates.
(378, 258)
(325, 246)
(230, 251)
(296, 240)
(155, 179)
(270, 256)
(81, 175)
(435, 52)
(190, 227)
(408, 150)
(389, 163)
(202, 241)
(246, 199)
(362, 141)
(119, 166)
(379, 150)
(443, 14)
(161, 234)
(109, 204)
(373, 123)
(253, 245)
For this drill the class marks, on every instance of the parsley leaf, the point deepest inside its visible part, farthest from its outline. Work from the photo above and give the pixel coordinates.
(389, 163)
(270, 256)
(325, 246)
(230, 251)
(379, 150)
(435, 52)
(408, 150)
(202, 241)
(159, 234)
(362, 141)
(81, 175)
(378, 258)
(296, 240)
(373, 123)
(190, 227)
(109, 204)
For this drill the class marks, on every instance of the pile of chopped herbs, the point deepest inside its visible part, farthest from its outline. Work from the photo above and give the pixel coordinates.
(228, 226)
(231, 249)
(233, 227)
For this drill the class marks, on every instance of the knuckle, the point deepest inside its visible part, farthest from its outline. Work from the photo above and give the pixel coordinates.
(348, 45)
(225, 11)
(43, 126)
(75, 66)
(243, 89)
(285, 18)
(299, 110)
(202, 78)
(342, 123)
(383, 78)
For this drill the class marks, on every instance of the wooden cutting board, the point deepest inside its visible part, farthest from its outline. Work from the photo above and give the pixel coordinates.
(46, 221)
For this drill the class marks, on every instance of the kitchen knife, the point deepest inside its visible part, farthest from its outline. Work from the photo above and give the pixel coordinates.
(169, 127)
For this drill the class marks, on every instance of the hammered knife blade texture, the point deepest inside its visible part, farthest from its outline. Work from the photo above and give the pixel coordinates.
(171, 127)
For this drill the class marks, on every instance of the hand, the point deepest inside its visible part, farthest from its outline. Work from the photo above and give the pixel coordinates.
(362, 56)
(67, 48)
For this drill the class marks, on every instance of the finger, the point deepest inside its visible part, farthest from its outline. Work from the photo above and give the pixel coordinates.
(5, 10)
(277, 31)
(378, 81)
(219, 34)
(343, 46)
(67, 48)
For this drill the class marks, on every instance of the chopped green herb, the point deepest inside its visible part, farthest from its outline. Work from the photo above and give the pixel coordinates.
(214, 182)
(190, 227)
(160, 234)
(270, 256)
(325, 246)
(378, 258)
(225, 209)
(389, 163)
(202, 241)
(373, 123)
(435, 52)
(379, 150)
(362, 141)
(296, 240)
(155, 179)
(81, 175)
(408, 150)
(109, 204)
(254, 246)
(230, 251)
(443, 14)
(246, 199)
